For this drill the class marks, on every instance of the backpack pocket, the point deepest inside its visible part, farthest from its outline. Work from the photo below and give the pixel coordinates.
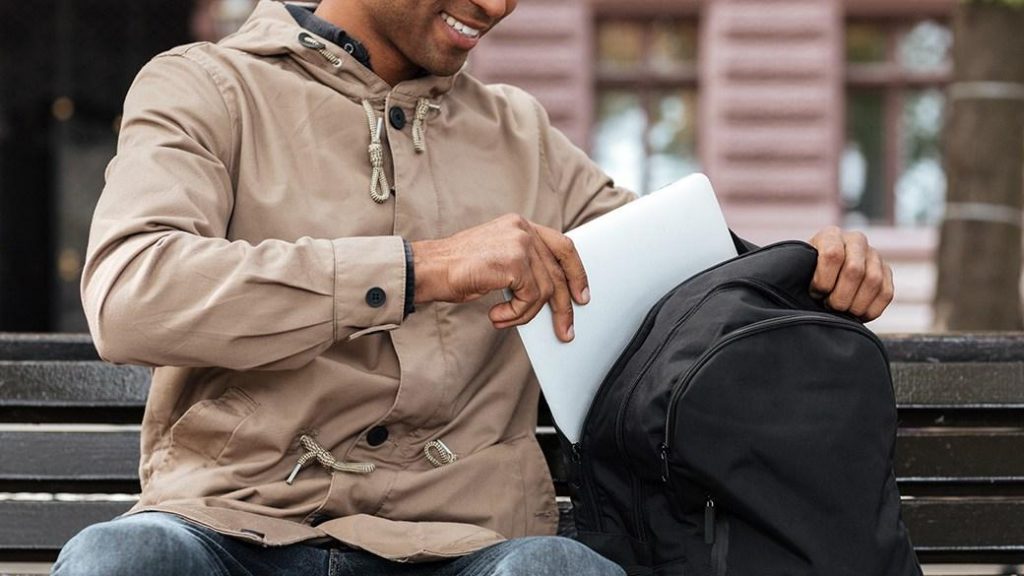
(716, 535)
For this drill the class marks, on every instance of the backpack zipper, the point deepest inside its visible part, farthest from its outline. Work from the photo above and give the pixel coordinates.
(577, 447)
(620, 416)
(639, 507)
(781, 298)
(683, 383)
(709, 520)
(585, 484)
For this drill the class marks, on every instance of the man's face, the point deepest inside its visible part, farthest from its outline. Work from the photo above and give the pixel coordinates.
(436, 35)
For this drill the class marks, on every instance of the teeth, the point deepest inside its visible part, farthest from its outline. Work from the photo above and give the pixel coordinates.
(459, 26)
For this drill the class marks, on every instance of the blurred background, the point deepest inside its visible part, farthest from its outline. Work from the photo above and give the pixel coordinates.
(803, 113)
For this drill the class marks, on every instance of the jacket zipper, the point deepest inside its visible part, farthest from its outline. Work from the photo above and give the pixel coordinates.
(307, 40)
(765, 325)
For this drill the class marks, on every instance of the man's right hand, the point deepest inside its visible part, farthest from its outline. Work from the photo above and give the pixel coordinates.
(536, 264)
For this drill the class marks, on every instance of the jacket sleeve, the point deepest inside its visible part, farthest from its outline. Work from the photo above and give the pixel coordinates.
(586, 191)
(162, 286)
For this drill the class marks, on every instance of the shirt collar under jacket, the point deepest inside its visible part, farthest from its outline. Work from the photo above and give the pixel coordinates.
(305, 17)
(271, 31)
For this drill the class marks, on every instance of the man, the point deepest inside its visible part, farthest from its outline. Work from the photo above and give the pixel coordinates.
(306, 229)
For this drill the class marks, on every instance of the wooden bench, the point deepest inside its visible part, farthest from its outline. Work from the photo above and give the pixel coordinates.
(69, 427)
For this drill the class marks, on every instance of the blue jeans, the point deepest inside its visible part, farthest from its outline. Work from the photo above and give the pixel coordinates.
(158, 544)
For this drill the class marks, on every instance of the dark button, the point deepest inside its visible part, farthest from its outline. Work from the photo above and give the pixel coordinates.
(376, 436)
(397, 117)
(376, 297)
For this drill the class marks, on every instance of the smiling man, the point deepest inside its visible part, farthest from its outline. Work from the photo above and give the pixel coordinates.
(306, 231)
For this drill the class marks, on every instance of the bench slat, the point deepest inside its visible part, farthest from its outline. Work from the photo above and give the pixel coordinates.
(939, 456)
(77, 384)
(993, 347)
(932, 348)
(975, 455)
(48, 525)
(935, 524)
(86, 384)
(16, 346)
(69, 456)
(935, 455)
(959, 385)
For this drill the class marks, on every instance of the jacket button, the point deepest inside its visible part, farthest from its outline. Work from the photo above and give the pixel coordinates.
(376, 297)
(376, 436)
(397, 117)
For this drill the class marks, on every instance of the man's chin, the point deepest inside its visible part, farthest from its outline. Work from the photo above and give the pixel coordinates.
(449, 67)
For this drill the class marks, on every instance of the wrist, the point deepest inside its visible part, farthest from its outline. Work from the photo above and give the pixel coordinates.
(427, 258)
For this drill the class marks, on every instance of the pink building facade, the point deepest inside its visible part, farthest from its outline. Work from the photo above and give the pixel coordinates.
(804, 113)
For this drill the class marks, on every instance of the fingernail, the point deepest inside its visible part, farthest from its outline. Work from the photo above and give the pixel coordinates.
(571, 333)
(585, 295)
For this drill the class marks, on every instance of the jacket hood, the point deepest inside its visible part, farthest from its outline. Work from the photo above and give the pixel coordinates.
(270, 31)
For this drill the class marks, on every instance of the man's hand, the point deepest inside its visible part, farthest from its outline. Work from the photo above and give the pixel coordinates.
(536, 264)
(850, 275)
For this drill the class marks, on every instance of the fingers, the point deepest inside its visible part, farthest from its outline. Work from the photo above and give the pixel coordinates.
(870, 286)
(558, 275)
(563, 250)
(561, 300)
(532, 300)
(552, 288)
(527, 293)
(884, 298)
(851, 275)
(831, 255)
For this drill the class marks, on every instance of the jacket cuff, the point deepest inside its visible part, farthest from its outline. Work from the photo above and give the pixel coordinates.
(410, 280)
(369, 285)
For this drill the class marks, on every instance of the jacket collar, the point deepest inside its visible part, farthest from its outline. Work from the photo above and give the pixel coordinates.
(271, 31)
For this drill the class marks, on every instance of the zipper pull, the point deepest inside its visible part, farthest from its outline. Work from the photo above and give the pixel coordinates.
(709, 521)
(576, 453)
(664, 461)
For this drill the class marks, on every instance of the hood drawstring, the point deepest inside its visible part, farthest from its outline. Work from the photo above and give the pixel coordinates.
(439, 454)
(380, 190)
(325, 459)
(423, 107)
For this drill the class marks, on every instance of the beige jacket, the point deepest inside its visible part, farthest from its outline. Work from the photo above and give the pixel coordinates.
(233, 249)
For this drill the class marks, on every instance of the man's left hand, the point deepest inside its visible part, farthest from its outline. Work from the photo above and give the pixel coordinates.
(850, 275)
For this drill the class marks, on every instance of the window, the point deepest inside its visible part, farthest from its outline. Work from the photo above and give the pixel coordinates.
(891, 171)
(646, 101)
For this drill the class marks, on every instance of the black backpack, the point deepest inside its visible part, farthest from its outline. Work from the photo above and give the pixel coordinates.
(745, 430)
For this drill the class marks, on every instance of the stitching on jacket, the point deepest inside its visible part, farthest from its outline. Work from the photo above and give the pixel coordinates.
(542, 142)
(207, 65)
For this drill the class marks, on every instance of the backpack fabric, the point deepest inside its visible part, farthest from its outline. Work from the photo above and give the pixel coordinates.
(745, 430)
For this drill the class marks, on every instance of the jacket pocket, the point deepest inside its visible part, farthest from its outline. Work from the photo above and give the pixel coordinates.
(540, 508)
(208, 426)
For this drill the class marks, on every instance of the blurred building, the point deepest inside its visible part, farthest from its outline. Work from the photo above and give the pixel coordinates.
(803, 112)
